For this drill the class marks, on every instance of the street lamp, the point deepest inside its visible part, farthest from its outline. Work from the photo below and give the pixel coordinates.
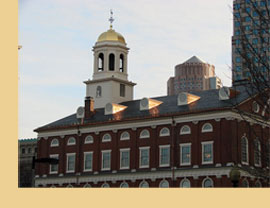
(235, 176)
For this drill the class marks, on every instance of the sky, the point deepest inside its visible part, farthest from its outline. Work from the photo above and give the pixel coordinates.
(57, 37)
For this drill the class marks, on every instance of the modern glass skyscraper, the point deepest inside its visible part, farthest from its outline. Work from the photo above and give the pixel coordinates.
(250, 41)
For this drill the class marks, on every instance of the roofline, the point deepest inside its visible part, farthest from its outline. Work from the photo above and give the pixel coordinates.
(109, 79)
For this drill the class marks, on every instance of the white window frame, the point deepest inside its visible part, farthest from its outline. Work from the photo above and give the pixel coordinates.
(106, 140)
(89, 139)
(56, 156)
(212, 150)
(105, 185)
(185, 145)
(207, 178)
(184, 180)
(260, 152)
(124, 183)
(144, 148)
(182, 132)
(69, 143)
(164, 181)
(143, 182)
(125, 138)
(164, 134)
(245, 163)
(121, 151)
(142, 136)
(207, 130)
(84, 158)
(164, 147)
(67, 156)
(54, 145)
(106, 168)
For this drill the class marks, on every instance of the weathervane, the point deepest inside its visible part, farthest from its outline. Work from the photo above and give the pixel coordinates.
(111, 19)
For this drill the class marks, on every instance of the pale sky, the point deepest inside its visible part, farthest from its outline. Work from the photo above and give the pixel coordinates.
(57, 37)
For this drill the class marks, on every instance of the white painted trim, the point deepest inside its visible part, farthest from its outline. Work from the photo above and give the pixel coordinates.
(207, 178)
(245, 163)
(146, 136)
(207, 130)
(84, 157)
(71, 143)
(57, 157)
(106, 151)
(182, 181)
(124, 150)
(163, 135)
(164, 147)
(185, 132)
(89, 142)
(164, 180)
(185, 145)
(140, 185)
(54, 145)
(67, 155)
(204, 143)
(124, 138)
(106, 140)
(144, 148)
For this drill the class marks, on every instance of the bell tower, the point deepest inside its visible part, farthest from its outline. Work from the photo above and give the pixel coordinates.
(110, 72)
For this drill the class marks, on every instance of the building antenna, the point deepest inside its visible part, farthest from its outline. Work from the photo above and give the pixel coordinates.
(111, 19)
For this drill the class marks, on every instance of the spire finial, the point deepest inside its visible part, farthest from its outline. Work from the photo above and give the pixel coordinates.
(111, 19)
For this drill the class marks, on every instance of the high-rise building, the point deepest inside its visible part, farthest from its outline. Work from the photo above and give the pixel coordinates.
(250, 41)
(193, 75)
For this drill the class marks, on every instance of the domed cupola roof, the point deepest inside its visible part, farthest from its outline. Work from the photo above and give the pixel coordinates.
(111, 35)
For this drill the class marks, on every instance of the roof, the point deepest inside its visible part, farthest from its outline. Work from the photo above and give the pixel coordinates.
(209, 101)
(27, 140)
(194, 59)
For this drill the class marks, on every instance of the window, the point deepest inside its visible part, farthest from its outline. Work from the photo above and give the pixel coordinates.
(106, 138)
(185, 154)
(164, 184)
(124, 185)
(54, 167)
(255, 107)
(122, 90)
(207, 152)
(98, 92)
(144, 157)
(23, 151)
(185, 130)
(124, 158)
(144, 184)
(100, 62)
(121, 66)
(244, 183)
(111, 62)
(88, 161)
(207, 183)
(244, 150)
(185, 183)
(69, 186)
(258, 184)
(164, 132)
(164, 155)
(257, 153)
(70, 163)
(71, 141)
(106, 160)
(89, 140)
(105, 185)
(144, 134)
(207, 127)
(87, 185)
(54, 143)
(125, 136)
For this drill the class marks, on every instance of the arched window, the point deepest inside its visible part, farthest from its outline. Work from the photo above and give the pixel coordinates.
(144, 184)
(244, 150)
(164, 132)
(244, 183)
(98, 92)
(71, 141)
(164, 184)
(125, 136)
(105, 185)
(185, 183)
(185, 130)
(54, 143)
(121, 66)
(207, 127)
(144, 134)
(124, 185)
(257, 152)
(101, 62)
(89, 139)
(69, 186)
(106, 138)
(258, 184)
(207, 183)
(87, 185)
(111, 62)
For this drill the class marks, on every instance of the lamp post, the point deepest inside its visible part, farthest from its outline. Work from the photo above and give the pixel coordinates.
(235, 176)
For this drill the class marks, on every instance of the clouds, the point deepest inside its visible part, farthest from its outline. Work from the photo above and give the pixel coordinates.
(57, 37)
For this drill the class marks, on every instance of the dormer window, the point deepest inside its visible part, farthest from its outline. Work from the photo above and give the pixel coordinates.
(100, 62)
(121, 64)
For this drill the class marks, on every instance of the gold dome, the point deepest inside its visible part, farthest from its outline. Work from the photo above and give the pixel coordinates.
(111, 35)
